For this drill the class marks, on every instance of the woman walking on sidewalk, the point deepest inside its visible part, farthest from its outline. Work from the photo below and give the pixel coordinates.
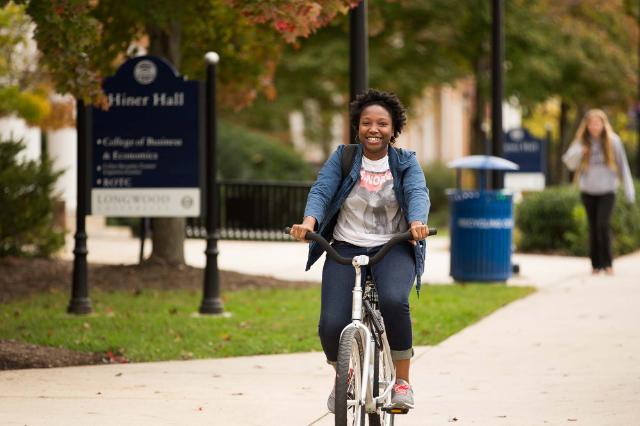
(597, 156)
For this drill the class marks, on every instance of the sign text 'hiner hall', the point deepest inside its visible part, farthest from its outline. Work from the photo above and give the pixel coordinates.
(145, 147)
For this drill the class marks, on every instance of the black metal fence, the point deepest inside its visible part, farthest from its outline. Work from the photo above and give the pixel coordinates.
(255, 210)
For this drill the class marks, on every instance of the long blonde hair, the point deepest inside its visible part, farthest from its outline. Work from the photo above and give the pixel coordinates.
(606, 139)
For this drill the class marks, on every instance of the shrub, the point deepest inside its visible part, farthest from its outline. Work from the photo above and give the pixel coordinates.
(626, 223)
(249, 155)
(26, 215)
(439, 178)
(546, 219)
(555, 221)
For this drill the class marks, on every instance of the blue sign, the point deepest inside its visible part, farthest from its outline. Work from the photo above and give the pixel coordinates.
(145, 147)
(525, 150)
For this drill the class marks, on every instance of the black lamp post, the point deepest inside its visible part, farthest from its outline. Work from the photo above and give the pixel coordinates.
(211, 302)
(358, 54)
(497, 90)
(80, 302)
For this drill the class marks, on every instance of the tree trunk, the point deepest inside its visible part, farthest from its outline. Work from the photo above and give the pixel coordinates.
(165, 42)
(560, 173)
(167, 233)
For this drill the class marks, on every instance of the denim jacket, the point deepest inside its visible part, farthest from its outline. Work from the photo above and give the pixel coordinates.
(329, 192)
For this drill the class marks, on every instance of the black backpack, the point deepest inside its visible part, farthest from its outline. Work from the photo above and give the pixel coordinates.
(348, 155)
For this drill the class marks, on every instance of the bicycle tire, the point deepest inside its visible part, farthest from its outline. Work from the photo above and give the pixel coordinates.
(349, 377)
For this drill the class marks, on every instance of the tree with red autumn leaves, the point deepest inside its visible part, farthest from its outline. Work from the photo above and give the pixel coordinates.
(83, 41)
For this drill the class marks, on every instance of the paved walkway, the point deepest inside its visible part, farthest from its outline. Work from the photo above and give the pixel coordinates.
(568, 354)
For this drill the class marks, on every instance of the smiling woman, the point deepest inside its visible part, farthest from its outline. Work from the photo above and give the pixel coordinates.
(384, 194)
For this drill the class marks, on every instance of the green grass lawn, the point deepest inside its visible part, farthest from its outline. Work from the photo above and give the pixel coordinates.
(161, 325)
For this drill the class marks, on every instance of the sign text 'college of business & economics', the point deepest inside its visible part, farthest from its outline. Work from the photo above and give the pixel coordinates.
(145, 147)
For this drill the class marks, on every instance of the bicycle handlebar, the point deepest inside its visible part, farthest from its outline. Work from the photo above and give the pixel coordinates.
(331, 252)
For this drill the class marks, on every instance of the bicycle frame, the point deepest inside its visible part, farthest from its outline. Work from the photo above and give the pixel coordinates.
(366, 398)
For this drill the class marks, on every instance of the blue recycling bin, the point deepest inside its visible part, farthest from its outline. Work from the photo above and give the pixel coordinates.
(481, 224)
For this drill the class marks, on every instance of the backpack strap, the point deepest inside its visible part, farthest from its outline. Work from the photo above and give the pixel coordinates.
(348, 155)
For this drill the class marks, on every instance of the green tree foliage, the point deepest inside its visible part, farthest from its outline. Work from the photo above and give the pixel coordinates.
(20, 91)
(588, 57)
(83, 40)
(412, 44)
(26, 215)
(575, 50)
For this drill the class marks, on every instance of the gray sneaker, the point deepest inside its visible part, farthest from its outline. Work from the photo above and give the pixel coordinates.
(331, 402)
(402, 395)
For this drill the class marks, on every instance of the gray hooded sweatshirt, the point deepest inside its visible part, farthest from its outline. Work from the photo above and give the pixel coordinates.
(599, 179)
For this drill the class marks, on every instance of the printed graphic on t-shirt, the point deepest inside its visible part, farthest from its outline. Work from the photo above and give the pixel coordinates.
(374, 197)
(371, 214)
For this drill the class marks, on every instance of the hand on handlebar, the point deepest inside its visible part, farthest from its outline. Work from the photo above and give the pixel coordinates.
(299, 231)
(419, 231)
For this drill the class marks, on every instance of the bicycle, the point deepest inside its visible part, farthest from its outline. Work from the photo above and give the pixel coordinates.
(365, 373)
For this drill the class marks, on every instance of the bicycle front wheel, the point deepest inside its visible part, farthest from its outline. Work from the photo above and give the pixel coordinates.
(349, 379)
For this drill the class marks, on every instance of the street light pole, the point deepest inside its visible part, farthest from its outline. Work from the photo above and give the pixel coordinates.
(80, 304)
(211, 302)
(497, 90)
(358, 54)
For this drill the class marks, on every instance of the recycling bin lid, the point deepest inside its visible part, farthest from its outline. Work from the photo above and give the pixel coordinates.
(482, 162)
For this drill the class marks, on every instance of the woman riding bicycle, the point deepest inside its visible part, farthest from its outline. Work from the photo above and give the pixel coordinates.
(383, 194)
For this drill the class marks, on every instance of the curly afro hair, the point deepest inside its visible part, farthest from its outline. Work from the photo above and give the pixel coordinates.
(388, 101)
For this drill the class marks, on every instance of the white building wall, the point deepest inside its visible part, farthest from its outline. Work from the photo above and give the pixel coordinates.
(63, 151)
(429, 149)
(15, 128)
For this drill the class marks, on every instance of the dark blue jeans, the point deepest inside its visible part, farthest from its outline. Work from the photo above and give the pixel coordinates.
(599, 211)
(393, 275)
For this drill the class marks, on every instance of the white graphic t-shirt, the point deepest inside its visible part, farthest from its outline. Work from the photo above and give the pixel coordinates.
(371, 215)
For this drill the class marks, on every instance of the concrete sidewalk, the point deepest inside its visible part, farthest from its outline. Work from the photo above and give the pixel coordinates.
(568, 354)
